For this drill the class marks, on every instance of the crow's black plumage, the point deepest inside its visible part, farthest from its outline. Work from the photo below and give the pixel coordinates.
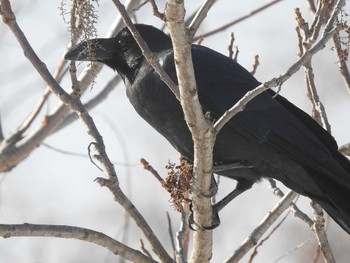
(270, 138)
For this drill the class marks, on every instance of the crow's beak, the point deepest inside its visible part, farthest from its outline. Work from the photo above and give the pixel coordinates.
(92, 50)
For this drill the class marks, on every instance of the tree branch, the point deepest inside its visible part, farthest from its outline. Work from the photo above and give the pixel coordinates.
(71, 232)
(236, 21)
(75, 104)
(199, 17)
(146, 52)
(258, 232)
(15, 148)
(201, 129)
(343, 67)
(328, 32)
(100, 97)
(320, 230)
(293, 207)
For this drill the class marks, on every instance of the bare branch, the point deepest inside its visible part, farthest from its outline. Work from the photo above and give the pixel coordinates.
(14, 149)
(41, 68)
(319, 228)
(171, 235)
(76, 105)
(181, 249)
(26, 124)
(292, 250)
(149, 168)
(255, 65)
(343, 67)
(262, 241)
(259, 231)
(155, 10)
(100, 97)
(113, 185)
(200, 127)
(84, 234)
(199, 17)
(224, 27)
(277, 82)
(293, 207)
(230, 45)
(144, 249)
(311, 4)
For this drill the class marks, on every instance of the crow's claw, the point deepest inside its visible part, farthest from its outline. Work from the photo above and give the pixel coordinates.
(213, 188)
(191, 222)
(215, 219)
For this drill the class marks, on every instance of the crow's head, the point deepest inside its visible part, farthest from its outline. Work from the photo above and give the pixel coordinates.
(121, 53)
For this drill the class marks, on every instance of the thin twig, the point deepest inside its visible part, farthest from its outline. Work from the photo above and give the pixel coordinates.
(293, 207)
(144, 250)
(199, 17)
(255, 65)
(92, 103)
(90, 157)
(150, 168)
(181, 250)
(230, 45)
(262, 241)
(156, 10)
(292, 250)
(171, 235)
(236, 21)
(343, 67)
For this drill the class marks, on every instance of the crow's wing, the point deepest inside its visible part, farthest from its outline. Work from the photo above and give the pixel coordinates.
(272, 122)
(278, 124)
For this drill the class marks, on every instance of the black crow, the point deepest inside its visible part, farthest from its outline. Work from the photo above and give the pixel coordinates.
(270, 138)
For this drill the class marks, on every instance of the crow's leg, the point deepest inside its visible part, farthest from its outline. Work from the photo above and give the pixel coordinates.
(242, 186)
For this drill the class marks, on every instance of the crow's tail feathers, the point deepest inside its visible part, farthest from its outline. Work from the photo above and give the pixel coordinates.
(335, 199)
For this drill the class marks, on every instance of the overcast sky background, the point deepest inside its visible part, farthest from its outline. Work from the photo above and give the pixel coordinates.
(53, 188)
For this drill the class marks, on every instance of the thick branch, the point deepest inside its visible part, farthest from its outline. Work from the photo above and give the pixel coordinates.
(201, 129)
(84, 234)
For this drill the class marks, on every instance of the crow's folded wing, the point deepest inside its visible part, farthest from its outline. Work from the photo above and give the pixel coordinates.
(265, 120)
